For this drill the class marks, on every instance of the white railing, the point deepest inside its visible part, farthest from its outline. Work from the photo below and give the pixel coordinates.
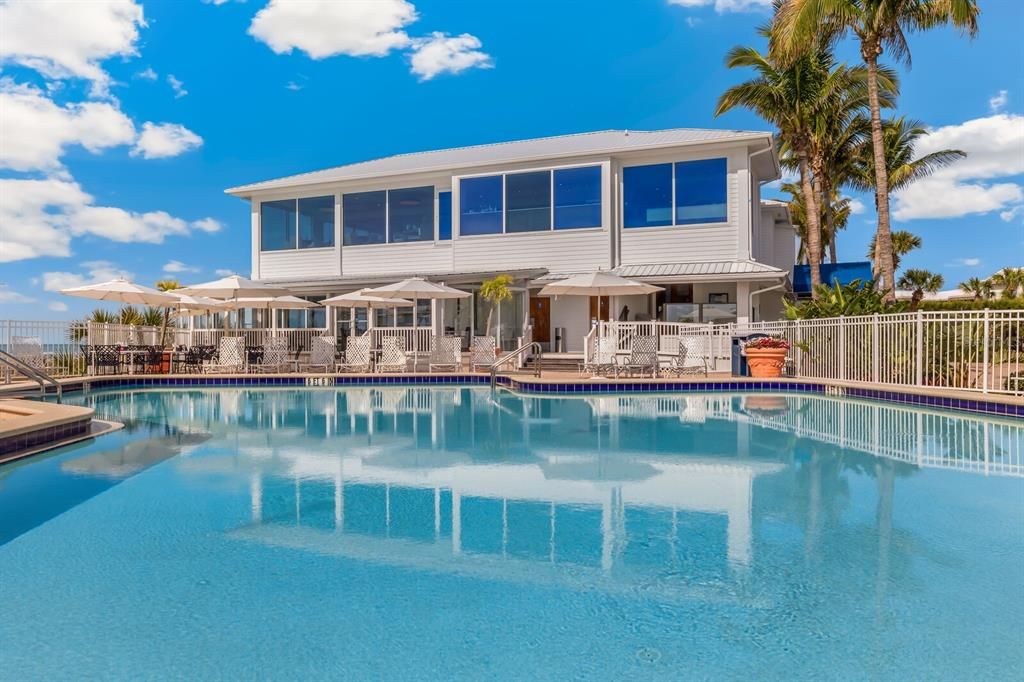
(419, 339)
(968, 350)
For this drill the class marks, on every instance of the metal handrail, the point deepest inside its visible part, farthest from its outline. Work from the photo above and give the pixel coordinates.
(31, 372)
(532, 345)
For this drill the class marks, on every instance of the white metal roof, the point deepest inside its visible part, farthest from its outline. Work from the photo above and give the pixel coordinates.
(600, 142)
(741, 269)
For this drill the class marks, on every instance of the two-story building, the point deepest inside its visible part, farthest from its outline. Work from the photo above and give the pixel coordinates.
(678, 208)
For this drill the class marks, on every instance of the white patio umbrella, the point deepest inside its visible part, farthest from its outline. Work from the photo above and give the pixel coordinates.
(364, 298)
(123, 291)
(232, 288)
(417, 288)
(269, 303)
(598, 284)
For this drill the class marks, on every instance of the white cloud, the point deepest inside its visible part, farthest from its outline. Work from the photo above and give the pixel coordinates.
(161, 140)
(998, 101)
(57, 306)
(293, 86)
(722, 6)
(208, 225)
(176, 266)
(147, 74)
(1008, 215)
(441, 53)
(177, 86)
(8, 295)
(35, 130)
(39, 217)
(323, 29)
(62, 39)
(95, 271)
(965, 263)
(857, 206)
(223, 272)
(995, 149)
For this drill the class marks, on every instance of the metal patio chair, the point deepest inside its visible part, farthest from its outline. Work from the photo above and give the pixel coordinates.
(321, 353)
(483, 353)
(446, 354)
(393, 357)
(29, 349)
(357, 355)
(643, 357)
(275, 355)
(602, 358)
(692, 357)
(229, 356)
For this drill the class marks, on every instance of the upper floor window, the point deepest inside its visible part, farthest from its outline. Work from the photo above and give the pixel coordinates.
(444, 216)
(534, 201)
(389, 216)
(683, 193)
(297, 224)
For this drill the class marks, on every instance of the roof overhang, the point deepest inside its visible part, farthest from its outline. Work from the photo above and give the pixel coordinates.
(341, 284)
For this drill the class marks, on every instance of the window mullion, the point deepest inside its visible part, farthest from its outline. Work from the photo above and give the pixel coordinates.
(504, 203)
(551, 199)
(387, 216)
(674, 209)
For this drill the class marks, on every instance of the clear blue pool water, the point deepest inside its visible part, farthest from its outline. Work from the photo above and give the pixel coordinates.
(422, 534)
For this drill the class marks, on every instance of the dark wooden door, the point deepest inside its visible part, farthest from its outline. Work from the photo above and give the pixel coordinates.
(540, 318)
(599, 307)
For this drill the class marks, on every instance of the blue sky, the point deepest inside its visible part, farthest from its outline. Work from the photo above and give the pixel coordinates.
(121, 122)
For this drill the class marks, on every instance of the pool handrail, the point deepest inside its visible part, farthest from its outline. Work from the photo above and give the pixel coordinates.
(37, 375)
(532, 345)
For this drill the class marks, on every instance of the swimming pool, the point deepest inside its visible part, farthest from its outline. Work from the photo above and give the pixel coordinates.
(439, 533)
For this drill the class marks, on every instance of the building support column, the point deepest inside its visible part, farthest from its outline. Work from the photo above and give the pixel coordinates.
(743, 312)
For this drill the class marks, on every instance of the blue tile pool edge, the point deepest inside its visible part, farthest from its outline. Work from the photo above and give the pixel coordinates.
(985, 406)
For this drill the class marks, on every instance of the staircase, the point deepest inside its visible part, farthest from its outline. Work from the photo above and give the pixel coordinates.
(561, 362)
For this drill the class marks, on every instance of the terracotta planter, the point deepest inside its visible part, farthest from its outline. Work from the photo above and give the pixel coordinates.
(765, 404)
(766, 362)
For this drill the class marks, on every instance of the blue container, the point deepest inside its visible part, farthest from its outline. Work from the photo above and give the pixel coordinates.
(739, 360)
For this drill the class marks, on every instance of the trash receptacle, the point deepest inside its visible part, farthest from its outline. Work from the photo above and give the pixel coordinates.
(739, 360)
(559, 345)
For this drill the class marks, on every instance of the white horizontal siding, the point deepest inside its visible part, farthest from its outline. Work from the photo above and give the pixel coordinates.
(558, 251)
(416, 257)
(299, 264)
(685, 243)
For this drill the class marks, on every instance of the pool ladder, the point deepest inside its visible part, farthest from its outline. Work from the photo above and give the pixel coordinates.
(36, 375)
(505, 359)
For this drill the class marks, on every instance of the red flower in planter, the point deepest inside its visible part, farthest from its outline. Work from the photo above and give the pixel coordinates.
(766, 342)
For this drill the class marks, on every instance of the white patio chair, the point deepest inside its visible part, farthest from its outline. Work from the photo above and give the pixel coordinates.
(230, 356)
(275, 355)
(393, 357)
(602, 359)
(321, 353)
(692, 357)
(446, 355)
(29, 349)
(357, 355)
(643, 357)
(482, 353)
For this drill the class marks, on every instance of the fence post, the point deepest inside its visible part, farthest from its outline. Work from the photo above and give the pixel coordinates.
(985, 355)
(799, 350)
(842, 347)
(7, 347)
(876, 354)
(919, 351)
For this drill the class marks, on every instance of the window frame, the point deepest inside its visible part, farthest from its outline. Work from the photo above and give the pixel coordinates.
(271, 199)
(672, 161)
(607, 213)
(362, 189)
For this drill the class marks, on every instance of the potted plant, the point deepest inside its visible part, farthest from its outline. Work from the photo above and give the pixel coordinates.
(494, 291)
(766, 356)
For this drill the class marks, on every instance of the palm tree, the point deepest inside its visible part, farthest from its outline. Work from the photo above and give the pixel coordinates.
(903, 242)
(495, 291)
(838, 210)
(920, 281)
(792, 96)
(166, 285)
(801, 26)
(1010, 280)
(980, 289)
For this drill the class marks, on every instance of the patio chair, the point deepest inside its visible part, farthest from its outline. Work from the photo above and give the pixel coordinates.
(643, 357)
(189, 360)
(482, 353)
(229, 356)
(105, 357)
(692, 357)
(446, 355)
(29, 349)
(275, 355)
(602, 358)
(393, 357)
(357, 355)
(321, 353)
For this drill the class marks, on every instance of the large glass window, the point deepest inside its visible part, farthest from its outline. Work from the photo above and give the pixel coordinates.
(647, 195)
(364, 215)
(480, 205)
(316, 222)
(444, 216)
(701, 191)
(411, 214)
(577, 198)
(277, 225)
(528, 202)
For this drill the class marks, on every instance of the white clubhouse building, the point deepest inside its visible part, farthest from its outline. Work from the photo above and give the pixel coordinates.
(678, 208)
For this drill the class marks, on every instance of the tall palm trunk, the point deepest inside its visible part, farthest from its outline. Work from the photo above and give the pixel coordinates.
(883, 244)
(813, 223)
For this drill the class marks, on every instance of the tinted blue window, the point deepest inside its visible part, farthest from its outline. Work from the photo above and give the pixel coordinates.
(480, 205)
(364, 217)
(316, 222)
(444, 215)
(647, 195)
(277, 225)
(528, 202)
(700, 191)
(578, 198)
(411, 214)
